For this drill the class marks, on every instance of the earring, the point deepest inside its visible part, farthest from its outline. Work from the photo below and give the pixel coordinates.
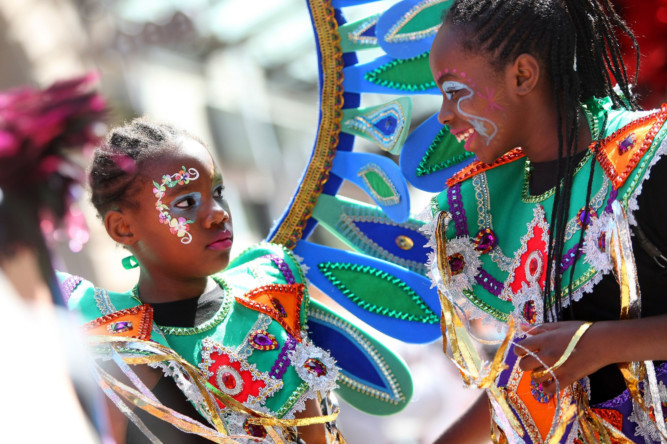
(129, 262)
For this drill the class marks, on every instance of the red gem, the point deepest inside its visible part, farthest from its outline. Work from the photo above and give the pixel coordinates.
(532, 266)
(456, 263)
(229, 380)
(255, 430)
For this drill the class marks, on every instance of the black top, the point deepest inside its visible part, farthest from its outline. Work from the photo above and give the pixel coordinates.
(604, 302)
(185, 313)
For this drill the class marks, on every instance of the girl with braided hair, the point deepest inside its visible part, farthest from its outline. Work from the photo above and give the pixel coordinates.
(231, 343)
(247, 356)
(534, 237)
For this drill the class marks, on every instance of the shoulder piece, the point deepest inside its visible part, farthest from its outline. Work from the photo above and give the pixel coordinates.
(135, 322)
(271, 281)
(282, 302)
(621, 151)
(478, 167)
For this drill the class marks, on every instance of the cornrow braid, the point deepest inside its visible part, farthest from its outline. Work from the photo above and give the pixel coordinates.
(576, 41)
(120, 159)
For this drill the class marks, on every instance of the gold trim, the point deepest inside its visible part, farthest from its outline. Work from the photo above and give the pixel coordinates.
(331, 103)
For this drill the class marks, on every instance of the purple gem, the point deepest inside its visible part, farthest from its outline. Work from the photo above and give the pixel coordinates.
(538, 393)
(278, 306)
(120, 327)
(529, 312)
(255, 430)
(627, 143)
(456, 263)
(315, 366)
(585, 219)
(486, 240)
(602, 242)
(263, 340)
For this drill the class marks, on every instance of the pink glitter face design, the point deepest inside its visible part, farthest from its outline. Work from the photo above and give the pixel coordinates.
(177, 225)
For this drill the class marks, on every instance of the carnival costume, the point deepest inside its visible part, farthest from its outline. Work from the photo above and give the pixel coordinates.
(253, 356)
(383, 282)
(491, 240)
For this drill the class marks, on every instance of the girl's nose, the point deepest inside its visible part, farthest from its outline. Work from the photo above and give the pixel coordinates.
(446, 114)
(217, 215)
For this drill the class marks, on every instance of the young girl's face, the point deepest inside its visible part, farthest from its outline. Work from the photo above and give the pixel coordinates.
(182, 223)
(475, 102)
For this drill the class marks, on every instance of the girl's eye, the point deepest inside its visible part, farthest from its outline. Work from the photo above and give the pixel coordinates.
(218, 192)
(185, 203)
(450, 93)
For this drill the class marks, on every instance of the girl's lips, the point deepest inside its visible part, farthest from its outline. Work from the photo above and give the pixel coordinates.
(463, 136)
(466, 146)
(221, 244)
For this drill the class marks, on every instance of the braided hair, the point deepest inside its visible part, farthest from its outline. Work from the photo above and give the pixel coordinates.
(575, 40)
(118, 162)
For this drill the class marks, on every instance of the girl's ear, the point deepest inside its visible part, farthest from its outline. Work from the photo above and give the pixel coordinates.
(525, 73)
(119, 228)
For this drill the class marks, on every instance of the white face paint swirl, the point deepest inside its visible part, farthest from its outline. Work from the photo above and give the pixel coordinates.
(484, 127)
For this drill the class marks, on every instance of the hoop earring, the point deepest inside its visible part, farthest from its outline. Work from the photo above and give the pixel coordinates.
(129, 262)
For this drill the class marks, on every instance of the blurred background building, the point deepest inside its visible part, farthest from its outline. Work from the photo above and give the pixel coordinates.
(242, 75)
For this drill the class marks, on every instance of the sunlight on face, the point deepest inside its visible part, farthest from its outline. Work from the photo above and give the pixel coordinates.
(484, 127)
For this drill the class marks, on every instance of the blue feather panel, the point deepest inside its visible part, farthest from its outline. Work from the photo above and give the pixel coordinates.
(392, 299)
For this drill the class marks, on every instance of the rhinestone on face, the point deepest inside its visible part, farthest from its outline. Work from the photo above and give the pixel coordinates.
(404, 242)
(486, 240)
(456, 263)
(315, 366)
(119, 327)
(262, 340)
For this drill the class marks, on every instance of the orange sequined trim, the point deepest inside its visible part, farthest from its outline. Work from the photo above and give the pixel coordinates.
(280, 301)
(135, 322)
(478, 167)
(620, 152)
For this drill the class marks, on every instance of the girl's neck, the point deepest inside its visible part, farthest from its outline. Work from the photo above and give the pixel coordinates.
(152, 290)
(542, 144)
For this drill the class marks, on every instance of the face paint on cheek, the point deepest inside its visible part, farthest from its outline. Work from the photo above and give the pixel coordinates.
(484, 127)
(178, 224)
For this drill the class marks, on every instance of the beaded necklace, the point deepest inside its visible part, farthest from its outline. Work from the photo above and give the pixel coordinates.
(220, 315)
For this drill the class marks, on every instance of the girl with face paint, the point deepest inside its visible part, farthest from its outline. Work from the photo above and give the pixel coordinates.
(162, 196)
(536, 233)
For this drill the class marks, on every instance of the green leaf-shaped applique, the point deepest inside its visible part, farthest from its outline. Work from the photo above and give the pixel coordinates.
(379, 184)
(423, 20)
(386, 124)
(444, 152)
(412, 74)
(378, 292)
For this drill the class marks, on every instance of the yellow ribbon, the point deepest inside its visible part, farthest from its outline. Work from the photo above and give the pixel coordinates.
(160, 353)
(568, 350)
(464, 353)
(625, 270)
